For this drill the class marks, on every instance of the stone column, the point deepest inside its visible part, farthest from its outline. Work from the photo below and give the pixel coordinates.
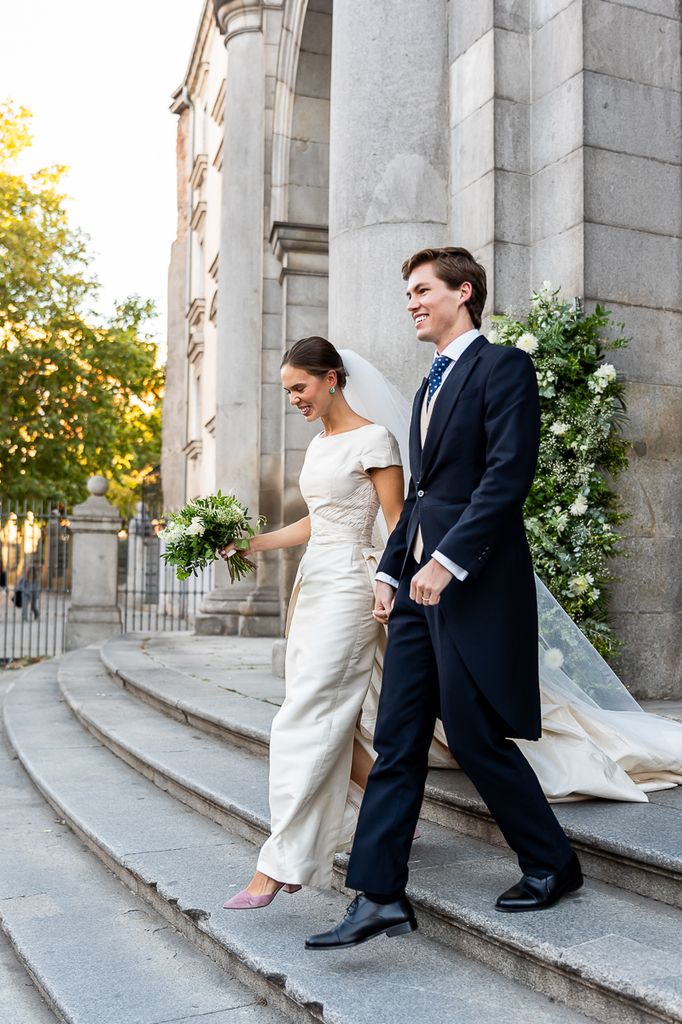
(248, 608)
(94, 614)
(388, 171)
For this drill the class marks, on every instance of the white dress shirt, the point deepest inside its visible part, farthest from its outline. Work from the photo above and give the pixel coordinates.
(452, 351)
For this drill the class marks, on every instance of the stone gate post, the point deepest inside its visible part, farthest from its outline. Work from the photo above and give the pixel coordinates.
(94, 613)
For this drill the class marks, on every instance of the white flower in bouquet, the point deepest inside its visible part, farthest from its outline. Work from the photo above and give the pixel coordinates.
(559, 428)
(579, 506)
(528, 343)
(554, 658)
(195, 534)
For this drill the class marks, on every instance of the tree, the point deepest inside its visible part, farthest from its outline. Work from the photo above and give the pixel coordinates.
(78, 394)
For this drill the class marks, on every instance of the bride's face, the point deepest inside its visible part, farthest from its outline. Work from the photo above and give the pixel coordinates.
(307, 393)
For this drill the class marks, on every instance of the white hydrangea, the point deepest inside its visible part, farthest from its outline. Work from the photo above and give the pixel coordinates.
(579, 506)
(196, 528)
(554, 658)
(558, 428)
(528, 343)
(172, 533)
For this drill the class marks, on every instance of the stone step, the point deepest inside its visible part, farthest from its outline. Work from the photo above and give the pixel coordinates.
(584, 952)
(182, 864)
(98, 954)
(222, 686)
(20, 1001)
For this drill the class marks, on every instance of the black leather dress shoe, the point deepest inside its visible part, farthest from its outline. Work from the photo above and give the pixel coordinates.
(533, 893)
(364, 920)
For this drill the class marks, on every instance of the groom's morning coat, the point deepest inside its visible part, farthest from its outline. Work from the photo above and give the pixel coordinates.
(467, 490)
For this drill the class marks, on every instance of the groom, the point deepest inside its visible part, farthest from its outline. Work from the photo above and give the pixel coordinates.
(457, 581)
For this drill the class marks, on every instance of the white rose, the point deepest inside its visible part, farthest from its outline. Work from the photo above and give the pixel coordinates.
(528, 343)
(196, 528)
(558, 428)
(554, 658)
(578, 585)
(607, 372)
(579, 506)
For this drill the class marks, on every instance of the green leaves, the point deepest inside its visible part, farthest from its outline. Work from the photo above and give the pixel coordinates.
(572, 512)
(77, 395)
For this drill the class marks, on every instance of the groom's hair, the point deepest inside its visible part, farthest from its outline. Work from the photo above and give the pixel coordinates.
(454, 266)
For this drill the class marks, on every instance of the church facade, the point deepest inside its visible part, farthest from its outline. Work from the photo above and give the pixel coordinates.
(320, 142)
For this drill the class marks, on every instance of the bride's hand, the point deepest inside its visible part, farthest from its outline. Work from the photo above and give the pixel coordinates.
(229, 550)
(384, 599)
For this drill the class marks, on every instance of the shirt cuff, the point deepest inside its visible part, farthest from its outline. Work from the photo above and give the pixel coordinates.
(383, 577)
(456, 570)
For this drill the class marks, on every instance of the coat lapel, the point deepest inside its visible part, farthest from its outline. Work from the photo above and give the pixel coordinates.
(447, 399)
(415, 438)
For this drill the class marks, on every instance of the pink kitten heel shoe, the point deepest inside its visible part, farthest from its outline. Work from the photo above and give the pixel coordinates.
(244, 900)
(291, 889)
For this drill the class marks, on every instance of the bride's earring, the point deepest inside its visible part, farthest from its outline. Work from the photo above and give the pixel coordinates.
(332, 390)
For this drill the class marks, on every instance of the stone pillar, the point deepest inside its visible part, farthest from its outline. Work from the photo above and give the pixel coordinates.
(94, 614)
(249, 607)
(388, 172)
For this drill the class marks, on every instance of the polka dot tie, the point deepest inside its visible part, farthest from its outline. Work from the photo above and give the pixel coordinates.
(438, 368)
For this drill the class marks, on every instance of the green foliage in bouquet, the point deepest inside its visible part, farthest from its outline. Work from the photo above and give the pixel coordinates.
(195, 533)
(572, 512)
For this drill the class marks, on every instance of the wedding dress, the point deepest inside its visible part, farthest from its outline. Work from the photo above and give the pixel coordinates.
(332, 639)
(596, 739)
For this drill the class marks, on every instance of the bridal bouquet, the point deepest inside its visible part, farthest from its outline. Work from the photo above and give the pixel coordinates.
(194, 534)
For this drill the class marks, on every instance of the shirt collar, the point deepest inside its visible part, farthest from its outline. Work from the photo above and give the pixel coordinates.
(455, 348)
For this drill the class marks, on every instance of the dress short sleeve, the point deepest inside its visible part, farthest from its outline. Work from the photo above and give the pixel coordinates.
(381, 450)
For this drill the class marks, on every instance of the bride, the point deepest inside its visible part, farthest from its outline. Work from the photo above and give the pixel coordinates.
(596, 740)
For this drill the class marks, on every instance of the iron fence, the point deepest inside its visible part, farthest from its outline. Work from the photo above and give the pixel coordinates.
(35, 578)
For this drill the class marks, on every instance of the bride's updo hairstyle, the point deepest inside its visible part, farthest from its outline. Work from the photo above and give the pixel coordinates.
(316, 356)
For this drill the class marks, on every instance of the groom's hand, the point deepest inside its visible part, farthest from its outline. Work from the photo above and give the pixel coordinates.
(384, 599)
(429, 583)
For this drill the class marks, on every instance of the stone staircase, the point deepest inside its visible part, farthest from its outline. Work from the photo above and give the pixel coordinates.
(152, 756)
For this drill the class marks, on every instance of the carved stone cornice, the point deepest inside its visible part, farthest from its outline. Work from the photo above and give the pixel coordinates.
(237, 16)
(286, 236)
(302, 249)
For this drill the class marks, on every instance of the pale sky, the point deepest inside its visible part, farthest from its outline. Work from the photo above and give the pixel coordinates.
(98, 78)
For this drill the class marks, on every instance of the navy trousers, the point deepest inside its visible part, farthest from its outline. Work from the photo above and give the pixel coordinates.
(425, 678)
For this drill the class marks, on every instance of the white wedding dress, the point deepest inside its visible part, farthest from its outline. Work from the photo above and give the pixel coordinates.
(329, 659)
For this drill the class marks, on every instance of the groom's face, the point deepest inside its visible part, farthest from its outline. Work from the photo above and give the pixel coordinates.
(432, 305)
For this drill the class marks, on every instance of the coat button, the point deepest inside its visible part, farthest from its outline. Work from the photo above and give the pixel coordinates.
(420, 494)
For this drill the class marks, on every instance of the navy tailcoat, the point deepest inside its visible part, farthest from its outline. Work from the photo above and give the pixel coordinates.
(467, 490)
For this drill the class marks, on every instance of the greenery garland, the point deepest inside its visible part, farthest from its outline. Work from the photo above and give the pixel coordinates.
(573, 511)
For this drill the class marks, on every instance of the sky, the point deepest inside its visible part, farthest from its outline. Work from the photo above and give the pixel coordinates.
(98, 79)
